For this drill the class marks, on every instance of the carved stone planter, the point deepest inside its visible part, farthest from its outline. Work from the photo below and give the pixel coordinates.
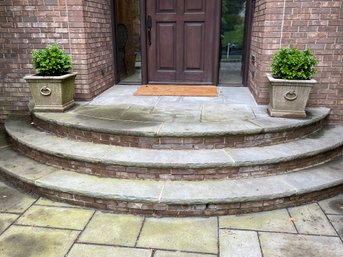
(52, 93)
(288, 98)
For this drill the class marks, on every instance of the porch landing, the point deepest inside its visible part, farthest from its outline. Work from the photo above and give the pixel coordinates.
(175, 156)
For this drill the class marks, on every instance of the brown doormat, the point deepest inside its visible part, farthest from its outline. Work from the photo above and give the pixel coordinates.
(176, 90)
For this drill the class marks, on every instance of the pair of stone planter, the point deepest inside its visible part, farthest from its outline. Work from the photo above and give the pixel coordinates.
(288, 98)
(52, 93)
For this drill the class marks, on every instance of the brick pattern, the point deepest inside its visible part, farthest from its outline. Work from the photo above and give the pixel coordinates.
(175, 210)
(312, 24)
(82, 27)
(191, 174)
(179, 143)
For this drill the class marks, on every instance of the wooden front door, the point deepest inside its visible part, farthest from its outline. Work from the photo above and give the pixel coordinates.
(182, 41)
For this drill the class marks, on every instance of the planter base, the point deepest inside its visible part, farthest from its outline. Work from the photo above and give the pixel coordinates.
(286, 114)
(54, 108)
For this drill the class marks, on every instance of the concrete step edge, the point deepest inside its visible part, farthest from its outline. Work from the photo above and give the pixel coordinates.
(22, 132)
(172, 192)
(114, 127)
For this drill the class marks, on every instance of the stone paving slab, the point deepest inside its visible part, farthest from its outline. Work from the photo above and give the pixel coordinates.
(225, 112)
(136, 157)
(3, 141)
(82, 250)
(310, 219)
(180, 254)
(6, 219)
(287, 245)
(184, 234)
(24, 169)
(13, 200)
(277, 221)
(47, 202)
(337, 222)
(333, 205)
(20, 241)
(106, 188)
(112, 229)
(56, 217)
(309, 146)
(208, 128)
(144, 121)
(184, 192)
(239, 244)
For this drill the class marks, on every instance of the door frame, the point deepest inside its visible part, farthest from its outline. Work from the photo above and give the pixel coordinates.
(144, 66)
(216, 66)
(249, 15)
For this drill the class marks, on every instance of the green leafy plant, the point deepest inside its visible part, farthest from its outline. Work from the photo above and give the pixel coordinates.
(51, 61)
(293, 64)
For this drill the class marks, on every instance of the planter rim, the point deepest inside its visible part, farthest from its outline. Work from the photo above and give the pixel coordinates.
(295, 81)
(35, 77)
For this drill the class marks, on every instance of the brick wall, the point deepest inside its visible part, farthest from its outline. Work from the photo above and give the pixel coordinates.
(81, 27)
(313, 24)
(98, 31)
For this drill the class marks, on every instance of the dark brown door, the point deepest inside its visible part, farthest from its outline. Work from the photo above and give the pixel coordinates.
(182, 41)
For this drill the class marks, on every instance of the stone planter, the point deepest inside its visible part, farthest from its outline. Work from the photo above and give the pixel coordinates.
(288, 98)
(52, 93)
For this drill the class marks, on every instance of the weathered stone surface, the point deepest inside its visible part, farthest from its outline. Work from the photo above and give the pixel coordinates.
(310, 219)
(111, 119)
(136, 157)
(107, 188)
(83, 250)
(234, 243)
(6, 220)
(3, 141)
(26, 169)
(47, 202)
(19, 241)
(277, 221)
(333, 205)
(179, 254)
(337, 222)
(183, 234)
(226, 112)
(112, 229)
(56, 217)
(185, 192)
(288, 151)
(287, 245)
(12, 200)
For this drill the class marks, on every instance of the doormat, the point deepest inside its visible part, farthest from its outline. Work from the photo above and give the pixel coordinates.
(176, 90)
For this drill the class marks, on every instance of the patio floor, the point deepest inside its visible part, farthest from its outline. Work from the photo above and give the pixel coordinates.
(37, 227)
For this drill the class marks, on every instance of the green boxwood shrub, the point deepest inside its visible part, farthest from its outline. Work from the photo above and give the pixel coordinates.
(293, 64)
(51, 61)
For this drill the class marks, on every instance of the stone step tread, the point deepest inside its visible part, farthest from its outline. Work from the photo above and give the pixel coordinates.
(171, 192)
(151, 126)
(26, 134)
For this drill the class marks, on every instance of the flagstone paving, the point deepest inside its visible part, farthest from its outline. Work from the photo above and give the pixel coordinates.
(37, 227)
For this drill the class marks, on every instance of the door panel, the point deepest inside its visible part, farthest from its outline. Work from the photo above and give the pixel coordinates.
(194, 6)
(193, 47)
(184, 41)
(166, 6)
(166, 52)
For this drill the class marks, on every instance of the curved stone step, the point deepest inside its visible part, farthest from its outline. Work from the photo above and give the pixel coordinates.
(143, 129)
(173, 198)
(128, 162)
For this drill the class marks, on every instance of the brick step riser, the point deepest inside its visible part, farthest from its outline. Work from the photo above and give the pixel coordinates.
(182, 143)
(175, 210)
(127, 172)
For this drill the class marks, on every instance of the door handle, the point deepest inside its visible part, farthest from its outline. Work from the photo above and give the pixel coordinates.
(149, 27)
